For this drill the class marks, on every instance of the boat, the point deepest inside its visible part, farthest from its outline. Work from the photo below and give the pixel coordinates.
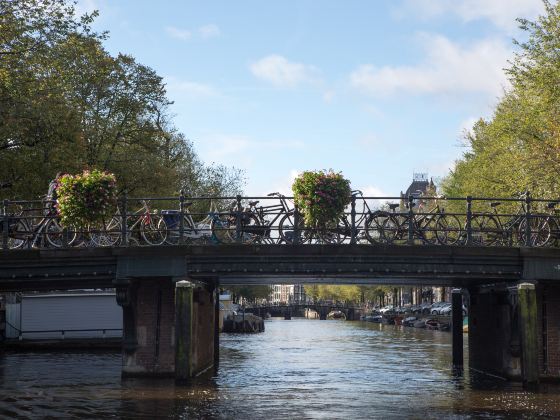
(409, 321)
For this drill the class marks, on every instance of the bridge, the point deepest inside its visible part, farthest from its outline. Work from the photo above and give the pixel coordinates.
(169, 290)
(322, 309)
(156, 300)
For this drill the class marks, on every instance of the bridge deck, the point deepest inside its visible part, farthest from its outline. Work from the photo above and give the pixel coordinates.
(268, 264)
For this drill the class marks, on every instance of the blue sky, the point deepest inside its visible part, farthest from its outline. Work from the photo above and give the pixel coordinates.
(377, 89)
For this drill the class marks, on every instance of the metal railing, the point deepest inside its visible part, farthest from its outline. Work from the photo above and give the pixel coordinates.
(63, 332)
(273, 219)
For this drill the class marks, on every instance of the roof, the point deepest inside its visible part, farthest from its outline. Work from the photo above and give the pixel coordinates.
(416, 188)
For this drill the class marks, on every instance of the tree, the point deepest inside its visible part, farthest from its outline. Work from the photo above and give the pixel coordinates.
(67, 104)
(519, 147)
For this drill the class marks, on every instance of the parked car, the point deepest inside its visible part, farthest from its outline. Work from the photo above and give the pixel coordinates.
(447, 310)
(416, 309)
(385, 309)
(438, 306)
(409, 322)
(425, 308)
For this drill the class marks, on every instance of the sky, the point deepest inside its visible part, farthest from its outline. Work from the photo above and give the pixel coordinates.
(375, 89)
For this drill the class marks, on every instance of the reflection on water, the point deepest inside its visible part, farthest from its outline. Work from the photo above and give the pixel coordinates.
(296, 369)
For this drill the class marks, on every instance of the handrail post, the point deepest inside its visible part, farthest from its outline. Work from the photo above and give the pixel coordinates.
(353, 220)
(297, 233)
(410, 220)
(182, 217)
(528, 232)
(469, 220)
(5, 224)
(238, 219)
(124, 222)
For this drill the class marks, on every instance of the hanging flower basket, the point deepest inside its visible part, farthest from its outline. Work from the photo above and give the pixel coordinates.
(321, 196)
(86, 199)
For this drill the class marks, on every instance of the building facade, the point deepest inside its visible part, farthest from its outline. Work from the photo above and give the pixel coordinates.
(287, 293)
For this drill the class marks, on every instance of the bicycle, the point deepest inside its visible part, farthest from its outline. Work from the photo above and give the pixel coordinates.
(373, 221)
(263, 219)
(425, 226)
(25, 232)
(145, 226)
(254, 224)
(492, 231)
(335, 232)
(192, 232)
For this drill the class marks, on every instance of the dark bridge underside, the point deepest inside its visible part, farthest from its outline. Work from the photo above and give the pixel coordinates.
(268, 264)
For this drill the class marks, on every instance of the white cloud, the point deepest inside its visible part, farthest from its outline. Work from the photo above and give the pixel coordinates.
(243, 149)
(372, 191)
(191, 88)
(466, 125)
(209, 31)
(448, 68)
(178, 33)
(284, 185)
(502, 13)
(328, 96)
(281, 72)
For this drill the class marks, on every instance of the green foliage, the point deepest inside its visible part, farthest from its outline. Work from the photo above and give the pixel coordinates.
(355, 294)
(66, 104)
(86, 199)
(519, 147)
(321, 196)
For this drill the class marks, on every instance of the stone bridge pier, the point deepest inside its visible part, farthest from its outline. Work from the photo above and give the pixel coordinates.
(514, 331)
(169, 326)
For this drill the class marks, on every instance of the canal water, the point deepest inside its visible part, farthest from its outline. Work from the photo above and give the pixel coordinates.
(295, 370)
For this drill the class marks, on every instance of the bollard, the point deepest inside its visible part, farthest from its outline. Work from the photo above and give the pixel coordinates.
(527, 307)
(457, 329)
(217, 327)
(183, 330)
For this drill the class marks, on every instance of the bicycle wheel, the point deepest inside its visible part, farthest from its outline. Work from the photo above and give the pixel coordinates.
(540, 231)
(251, 229)
(334, 233)
(287, 232)
(223, 230)
(486, 230)
(375, 234)
(425, 229)
(395, 229)
(108, 234)
(150, 230)
(449, 230)
(54, 234)
(18, 234)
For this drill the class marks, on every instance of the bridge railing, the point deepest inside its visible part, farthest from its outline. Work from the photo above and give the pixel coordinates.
(273, 219)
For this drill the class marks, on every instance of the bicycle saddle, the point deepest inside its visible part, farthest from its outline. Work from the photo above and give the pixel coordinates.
(393, 206)
(495, 204)
(253, 203)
